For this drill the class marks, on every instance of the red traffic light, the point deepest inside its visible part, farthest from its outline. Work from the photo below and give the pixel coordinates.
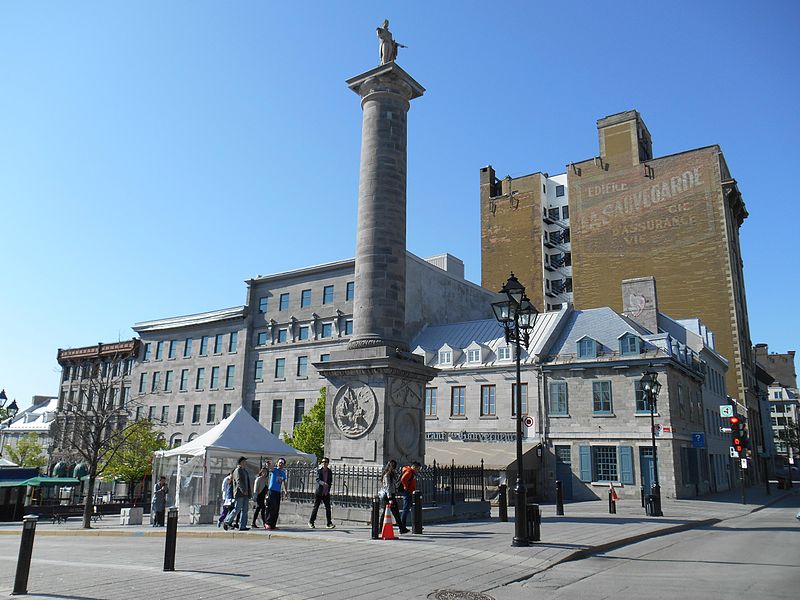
(734, 420)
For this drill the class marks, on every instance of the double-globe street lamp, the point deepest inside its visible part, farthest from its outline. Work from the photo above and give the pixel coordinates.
(517, 316)
(12, 409)
(650, 388)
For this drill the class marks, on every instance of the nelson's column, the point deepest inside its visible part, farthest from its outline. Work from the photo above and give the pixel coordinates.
(376, 409)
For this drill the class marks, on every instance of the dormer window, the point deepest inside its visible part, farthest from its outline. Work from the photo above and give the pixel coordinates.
(630, 344)
(587, 348)
(473, 356)
(504, 353)
(445, 357)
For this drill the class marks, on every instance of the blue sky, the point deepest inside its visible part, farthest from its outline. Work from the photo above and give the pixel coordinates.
(153, 155)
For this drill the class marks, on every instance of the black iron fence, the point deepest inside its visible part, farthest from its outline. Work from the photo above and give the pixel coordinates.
(355, 486)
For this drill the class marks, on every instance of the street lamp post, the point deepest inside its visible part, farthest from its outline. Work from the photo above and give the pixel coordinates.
(12, 409)
(650, 388)
(517, 316)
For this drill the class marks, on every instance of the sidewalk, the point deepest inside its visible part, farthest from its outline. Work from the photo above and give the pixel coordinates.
(475, 556)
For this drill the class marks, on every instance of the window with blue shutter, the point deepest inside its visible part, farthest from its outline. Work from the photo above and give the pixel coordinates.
(626, 464)
(585, 463)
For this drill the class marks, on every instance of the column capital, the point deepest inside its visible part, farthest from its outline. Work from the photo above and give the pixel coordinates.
(388, 73)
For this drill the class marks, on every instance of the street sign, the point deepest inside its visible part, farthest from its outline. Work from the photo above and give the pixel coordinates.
(657, 429)
(528, 421)
(734, 453)
(698, 440)
(725, 429)
(725, 410)
(744, 463)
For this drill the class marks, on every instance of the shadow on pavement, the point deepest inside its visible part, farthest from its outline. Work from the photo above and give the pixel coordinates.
(212, 572)
(613, 520)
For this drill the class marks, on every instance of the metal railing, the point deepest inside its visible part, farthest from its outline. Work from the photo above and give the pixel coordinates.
(355, 486)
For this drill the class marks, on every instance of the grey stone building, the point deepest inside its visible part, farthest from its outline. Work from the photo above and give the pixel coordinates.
(580, 383)
(194, 370)
(189, 373)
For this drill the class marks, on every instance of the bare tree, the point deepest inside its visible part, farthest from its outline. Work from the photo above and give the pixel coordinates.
(95, 406)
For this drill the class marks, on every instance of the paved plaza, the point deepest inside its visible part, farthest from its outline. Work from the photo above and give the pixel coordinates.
(293, 562)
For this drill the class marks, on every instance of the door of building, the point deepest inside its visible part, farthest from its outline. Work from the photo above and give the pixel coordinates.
(564, 470)
(646, 467)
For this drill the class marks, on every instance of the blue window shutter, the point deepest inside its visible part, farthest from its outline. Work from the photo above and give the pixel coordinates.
(586, 463)
(626, 464)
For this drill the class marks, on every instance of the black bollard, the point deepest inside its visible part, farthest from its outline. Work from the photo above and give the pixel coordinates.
(172, 535)
(612, 506)
(417, 527)
(534, 522)
(376, 515)
(25, 552)
(559, 499)
(641, 491)
(503, 494)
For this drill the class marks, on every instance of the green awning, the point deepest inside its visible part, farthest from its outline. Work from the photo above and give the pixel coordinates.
(39, 481)
(11, 482)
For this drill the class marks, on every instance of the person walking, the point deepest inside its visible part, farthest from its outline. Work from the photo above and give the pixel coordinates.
(227, 497)
(323, 494)
(277, 482)
(260, 493)
(242, 489)
(159, 501)
(408, 485)
(388, 492)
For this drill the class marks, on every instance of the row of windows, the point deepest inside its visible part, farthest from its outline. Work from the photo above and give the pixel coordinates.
(303, 333)
(284, 299)
(277, 413)
(171, 346)
(458, 400)
(155, 413)
(629, 345)
(301, 367)
(93, 370)
(473, 356)
(86, 399)
(602, 399)
(157, 384)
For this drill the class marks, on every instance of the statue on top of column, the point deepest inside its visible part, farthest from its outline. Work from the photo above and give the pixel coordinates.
(388, 47)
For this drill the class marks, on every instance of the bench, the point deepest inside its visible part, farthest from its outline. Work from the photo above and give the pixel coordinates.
(61, 517)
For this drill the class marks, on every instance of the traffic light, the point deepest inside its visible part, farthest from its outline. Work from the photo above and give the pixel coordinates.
(738, 433)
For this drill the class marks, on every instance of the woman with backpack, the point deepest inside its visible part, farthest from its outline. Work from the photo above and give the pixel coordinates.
(388, 492)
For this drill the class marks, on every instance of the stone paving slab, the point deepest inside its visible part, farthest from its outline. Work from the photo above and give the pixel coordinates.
(112, 561)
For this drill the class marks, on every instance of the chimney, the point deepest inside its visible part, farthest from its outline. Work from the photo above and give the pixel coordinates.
(640, 302)
(624, 139)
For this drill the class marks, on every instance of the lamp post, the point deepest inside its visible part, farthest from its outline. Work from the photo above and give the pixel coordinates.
(517, 316)
(12, 409)
(650, 388)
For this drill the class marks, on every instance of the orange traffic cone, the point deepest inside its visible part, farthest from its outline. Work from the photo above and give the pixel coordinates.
(388, 526)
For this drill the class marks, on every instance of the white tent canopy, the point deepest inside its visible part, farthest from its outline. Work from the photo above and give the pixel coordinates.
(209, 456)
(239, 434)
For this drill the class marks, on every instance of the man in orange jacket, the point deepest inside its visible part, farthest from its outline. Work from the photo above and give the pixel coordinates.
(409, 482)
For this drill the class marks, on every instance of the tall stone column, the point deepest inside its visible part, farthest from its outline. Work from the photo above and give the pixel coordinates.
(380, 284)
(376, 409)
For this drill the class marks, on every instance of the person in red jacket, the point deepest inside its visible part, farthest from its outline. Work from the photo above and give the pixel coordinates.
(408, 480)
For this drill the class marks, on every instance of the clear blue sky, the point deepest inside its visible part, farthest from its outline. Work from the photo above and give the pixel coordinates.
(153, 155)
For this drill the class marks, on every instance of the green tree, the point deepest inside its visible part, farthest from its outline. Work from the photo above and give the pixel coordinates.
(131, 462)
(309, 434)
(27, 452)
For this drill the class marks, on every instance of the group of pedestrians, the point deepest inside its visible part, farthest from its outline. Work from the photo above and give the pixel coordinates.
(270, 486)
(403, 483)
(237, 490)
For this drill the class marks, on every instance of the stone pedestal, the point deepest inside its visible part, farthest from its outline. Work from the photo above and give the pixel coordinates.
(377, 408)
(201, 514)
(131, 516)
